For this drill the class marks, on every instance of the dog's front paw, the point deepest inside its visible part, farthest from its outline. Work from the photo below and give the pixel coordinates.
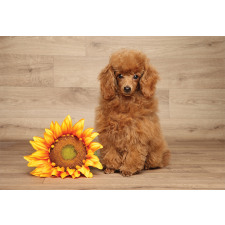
(147, 166)
(126, 173)
(109, 171)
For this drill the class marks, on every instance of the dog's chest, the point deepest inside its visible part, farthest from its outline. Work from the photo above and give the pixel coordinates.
(124, 127)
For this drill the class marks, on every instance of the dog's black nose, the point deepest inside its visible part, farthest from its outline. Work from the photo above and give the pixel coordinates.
(127, 89)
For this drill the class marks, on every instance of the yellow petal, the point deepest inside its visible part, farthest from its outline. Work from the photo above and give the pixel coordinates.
(49, 139)
(28, 158)
(88, 162)
(78, 167)
(76, 174)
(40, 155)
(49, 132)
(37, 163)
(52, 127)
(94, 135)
(93, 157)
(87, 132)
(70, 171)
(39, 146)
(60, 169)
(44, 171)
(98, 165)
(64, 174)
(45, 175)
(39, 139)
(58, 130)
(35, 173)
(93, 160)
(89, 139)
(54, 172)
(68, 121)
(94, 146)
(64, 127)
(86, 171)
(78, 128)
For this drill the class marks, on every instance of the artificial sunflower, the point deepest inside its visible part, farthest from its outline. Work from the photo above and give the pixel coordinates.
(65, 150)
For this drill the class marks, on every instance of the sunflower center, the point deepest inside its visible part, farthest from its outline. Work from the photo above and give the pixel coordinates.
(68, 152)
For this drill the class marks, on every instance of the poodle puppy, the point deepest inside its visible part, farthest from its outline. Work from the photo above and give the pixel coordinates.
(126, 118)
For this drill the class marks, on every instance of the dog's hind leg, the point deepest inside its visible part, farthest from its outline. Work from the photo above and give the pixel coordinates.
(158, 155)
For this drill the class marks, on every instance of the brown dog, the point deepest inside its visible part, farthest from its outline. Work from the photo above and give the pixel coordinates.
(126, 118)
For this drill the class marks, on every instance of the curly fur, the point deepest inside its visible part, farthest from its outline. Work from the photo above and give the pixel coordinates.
(127, 123)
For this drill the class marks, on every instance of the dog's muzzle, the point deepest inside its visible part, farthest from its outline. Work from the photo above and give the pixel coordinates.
(127, 89)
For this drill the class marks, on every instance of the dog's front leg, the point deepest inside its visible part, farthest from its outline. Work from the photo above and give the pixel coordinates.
(111, 159)
(133, 161)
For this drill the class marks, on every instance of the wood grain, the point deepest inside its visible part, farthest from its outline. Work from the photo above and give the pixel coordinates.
(175, 73)
(201, 130)
(45, 101)
(197, 103)
(190, 73)
(75, 46)
(26, 71)
(53, 102)
(78, 71)
(193, 166)
(174, 130)
(160, 47)
(26, 128)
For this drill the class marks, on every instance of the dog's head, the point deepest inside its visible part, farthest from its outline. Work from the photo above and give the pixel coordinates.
(128, 71)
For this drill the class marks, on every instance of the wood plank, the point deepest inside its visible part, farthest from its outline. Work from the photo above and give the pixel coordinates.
(42, 102)
(160, 47)
(14, 174)
(214, 168)
(13, 162)
(144, 181)
(26, 70)
(190, 73)
(174, 130)
(78, 71)
(13, 129)
(197, 103)
(54, 102)
(162, 96)
(75, 46)
(196, 157)
(192, 181)
(194, 129)
(174, 73)
(18, 181)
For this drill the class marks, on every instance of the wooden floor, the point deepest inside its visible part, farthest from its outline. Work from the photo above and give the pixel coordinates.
(193, 166)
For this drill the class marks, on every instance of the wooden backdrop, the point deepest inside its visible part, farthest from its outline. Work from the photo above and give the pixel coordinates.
(45, 78)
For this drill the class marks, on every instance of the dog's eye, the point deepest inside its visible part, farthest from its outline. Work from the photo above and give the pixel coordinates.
(135, 77)
(120, 76)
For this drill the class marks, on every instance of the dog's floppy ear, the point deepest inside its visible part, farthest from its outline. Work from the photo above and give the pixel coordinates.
(107, 82)
(148, 80)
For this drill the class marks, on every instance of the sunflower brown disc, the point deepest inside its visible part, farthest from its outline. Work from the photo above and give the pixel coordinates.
(56, 155)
